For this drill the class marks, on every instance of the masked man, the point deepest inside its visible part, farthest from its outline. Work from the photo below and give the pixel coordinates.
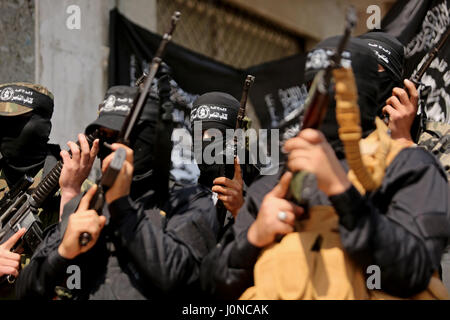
(25, 113)
(386, 227)
(140, 249)
(398, 96)
(212, 115)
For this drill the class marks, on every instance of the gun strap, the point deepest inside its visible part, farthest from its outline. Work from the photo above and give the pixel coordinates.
(350, 132)
(368, 165)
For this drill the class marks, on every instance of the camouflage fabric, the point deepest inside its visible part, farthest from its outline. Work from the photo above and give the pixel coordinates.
(10, 108)
(7, 291)
(50, 207)
(436, 139)
(48, 214)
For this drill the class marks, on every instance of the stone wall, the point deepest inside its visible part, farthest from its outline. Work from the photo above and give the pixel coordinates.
(73, 64)
(17, 22)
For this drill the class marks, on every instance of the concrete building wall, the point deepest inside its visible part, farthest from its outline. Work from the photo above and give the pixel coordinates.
(73, 63)
(17, 40)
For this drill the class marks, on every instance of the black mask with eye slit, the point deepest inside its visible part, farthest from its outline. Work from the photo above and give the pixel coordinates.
(391, 56)
(209, 172)
(23, 145)
(113, 111)
(214, 110)
(365, 69)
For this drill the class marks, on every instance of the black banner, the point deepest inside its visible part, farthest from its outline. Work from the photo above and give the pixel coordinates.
(419, 25)
(275, 93)
(278, 89)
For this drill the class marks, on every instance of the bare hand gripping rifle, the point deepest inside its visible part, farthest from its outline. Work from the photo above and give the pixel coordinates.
(419, 122)
(316, 107)
(19, 208)
(227, 171)
(110, 175)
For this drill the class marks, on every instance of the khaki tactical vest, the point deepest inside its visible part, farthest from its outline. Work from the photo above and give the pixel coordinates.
(311, 262)
(436, 139)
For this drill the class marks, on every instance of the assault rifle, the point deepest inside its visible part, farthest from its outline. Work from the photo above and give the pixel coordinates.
(19, 209)
(227, 171)
(243, 105)
(9, 197)
(316, 107)
(110, 175)
(416, 76)
(419, 121)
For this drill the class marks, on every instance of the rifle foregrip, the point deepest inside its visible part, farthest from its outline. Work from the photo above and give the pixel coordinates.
(301, 188)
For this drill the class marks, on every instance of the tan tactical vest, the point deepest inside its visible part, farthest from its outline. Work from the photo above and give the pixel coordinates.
(436, 139)
(311, 263)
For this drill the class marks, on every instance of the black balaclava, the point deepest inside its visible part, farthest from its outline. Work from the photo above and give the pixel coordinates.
(364, 65)
(144, 142)
(216, 110)
(112, 113)
(24, 137)
(391, 55)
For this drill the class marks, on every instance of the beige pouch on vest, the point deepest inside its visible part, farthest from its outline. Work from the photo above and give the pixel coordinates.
(311, 264)
(316, 250)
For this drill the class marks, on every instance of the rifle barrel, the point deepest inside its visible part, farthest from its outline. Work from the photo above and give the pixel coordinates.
(431, 56)
(136, 110)
(243, 105)
(129, 124)
(168, 35)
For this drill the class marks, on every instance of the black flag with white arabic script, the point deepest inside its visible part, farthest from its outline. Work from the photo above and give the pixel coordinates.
(276, 91)
(419, 25)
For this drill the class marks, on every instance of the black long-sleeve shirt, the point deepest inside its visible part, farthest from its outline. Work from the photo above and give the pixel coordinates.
(134, 258)
(402, 227)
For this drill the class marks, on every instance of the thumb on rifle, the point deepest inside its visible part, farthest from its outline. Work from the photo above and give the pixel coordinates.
(282, 187)
(8, 244)
(86, 200)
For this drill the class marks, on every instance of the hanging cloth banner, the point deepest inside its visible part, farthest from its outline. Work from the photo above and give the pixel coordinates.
(419, 25)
